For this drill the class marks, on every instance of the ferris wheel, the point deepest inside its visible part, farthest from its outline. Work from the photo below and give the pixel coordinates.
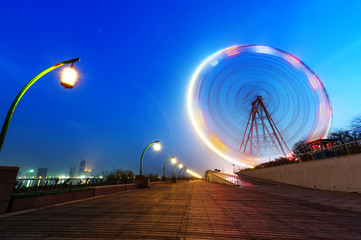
(249, 103)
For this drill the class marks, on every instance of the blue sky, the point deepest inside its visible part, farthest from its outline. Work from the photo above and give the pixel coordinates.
(137, 58)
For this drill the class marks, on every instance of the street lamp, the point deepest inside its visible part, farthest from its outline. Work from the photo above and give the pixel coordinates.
(180, 165)
(185, 173)
(173, 160)
(68, 80)
(156, 147)
(68, 77)
(180, 172)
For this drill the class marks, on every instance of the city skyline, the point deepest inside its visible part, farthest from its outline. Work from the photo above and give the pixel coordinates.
(136, 64)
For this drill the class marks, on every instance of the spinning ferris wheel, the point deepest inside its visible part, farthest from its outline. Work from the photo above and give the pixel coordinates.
(248, 103)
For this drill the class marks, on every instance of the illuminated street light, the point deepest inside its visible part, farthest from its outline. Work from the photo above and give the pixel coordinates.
(180, 172)
(67, 81)
(68, 77)
(173, 160)
(185, 172)
(180, 165)
(156, 147)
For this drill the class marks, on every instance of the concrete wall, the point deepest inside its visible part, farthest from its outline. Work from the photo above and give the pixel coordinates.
(335, 174)
(216, 178)
(40, 201)
(109, 189)
(18, 204)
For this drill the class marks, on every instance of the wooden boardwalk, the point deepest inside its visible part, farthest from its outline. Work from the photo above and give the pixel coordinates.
(186, 210)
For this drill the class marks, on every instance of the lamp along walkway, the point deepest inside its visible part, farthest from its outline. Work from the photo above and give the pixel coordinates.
(186, 210)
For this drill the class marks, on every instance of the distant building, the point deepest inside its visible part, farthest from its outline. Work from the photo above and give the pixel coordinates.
(42, 172)
(72, 171)
(81, 168)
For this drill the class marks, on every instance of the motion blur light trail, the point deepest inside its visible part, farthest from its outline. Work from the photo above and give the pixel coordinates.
(193, 173)
(224, 86)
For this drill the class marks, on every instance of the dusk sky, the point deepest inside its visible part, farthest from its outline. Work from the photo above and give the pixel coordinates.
(137, 58)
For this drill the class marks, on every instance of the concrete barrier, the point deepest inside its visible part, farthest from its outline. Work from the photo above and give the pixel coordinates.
(336, 174)
(109, 189)
(7, 183)
(217, 178)
(18, 204)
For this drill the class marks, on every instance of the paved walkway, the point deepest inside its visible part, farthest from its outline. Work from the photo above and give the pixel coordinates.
(187, 210)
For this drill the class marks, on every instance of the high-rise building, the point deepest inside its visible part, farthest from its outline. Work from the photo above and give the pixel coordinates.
(81, 167)
(72, 171)
(42, 172)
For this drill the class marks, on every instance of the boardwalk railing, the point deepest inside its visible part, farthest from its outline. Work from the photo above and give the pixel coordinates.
(333, 151)
(43, 182)
(230, 177)
(226, 178)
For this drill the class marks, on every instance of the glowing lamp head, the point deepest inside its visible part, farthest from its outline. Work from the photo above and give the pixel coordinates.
(173, 160)
(157, 146)
(68, 77)
(180, 165)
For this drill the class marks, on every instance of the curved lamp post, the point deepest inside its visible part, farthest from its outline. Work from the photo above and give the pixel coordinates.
(173, 161)
(180, 172)
(68, 80)
(156, 148)
(185, 172)
(180, 166)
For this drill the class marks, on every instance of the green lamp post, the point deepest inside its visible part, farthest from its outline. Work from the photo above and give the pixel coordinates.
(173, 161)
(185, 173)
(180, 171)
(156, 148)
(68, 80)
(180, 165)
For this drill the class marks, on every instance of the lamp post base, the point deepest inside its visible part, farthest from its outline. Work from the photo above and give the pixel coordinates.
(7, 182)
(142, 180)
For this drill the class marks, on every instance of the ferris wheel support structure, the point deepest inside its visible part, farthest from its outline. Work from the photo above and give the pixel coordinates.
(261, 134)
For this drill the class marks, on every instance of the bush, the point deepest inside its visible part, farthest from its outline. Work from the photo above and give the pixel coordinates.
(120, 176)
(154, 177)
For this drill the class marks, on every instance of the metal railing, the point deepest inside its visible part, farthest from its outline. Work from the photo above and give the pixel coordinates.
(230, 177)
(333, 151)
(31, 184)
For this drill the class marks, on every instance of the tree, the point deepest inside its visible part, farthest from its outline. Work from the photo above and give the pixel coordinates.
(153, 177)
(342, 136)
(356, 128)
(299, 149)
(129, 176)
(119, 176)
